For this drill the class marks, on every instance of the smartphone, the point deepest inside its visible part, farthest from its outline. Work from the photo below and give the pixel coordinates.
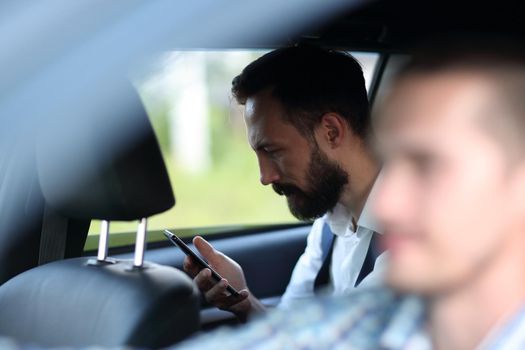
(197, 259)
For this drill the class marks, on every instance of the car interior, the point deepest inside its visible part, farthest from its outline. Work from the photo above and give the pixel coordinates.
(60, 286)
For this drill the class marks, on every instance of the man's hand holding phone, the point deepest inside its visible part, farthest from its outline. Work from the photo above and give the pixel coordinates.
(216, 292)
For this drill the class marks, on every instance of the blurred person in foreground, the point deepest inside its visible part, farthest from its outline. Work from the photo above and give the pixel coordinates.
(307, 119)
(452, 201)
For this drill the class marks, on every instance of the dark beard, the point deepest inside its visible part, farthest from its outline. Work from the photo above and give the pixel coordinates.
(325, 180)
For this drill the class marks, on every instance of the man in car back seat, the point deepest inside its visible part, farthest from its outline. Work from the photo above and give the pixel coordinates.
(307, 119)
(452, 201)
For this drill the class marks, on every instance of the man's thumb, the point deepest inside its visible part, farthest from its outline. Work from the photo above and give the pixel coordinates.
(204, 248)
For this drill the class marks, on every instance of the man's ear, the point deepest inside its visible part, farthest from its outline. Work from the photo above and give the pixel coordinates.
(332, 130)
(518, 187)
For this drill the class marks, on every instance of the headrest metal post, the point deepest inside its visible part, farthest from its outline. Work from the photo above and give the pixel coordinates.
(103, 241)
(140, 243)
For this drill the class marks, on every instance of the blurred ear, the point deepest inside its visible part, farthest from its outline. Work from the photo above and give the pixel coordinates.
(332, 130)
(517, 190)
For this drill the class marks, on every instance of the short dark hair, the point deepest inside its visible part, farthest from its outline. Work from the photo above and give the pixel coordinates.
(501, 59)
(465, 52)
(309, 82)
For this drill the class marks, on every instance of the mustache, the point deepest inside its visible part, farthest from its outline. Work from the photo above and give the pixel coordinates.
(286, 189)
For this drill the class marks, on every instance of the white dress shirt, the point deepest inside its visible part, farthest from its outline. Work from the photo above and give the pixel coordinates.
(348, 255)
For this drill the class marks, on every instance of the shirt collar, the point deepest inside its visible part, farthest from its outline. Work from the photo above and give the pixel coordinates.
(367, 218)
(408, 324)
(509, 335)
(340, 220)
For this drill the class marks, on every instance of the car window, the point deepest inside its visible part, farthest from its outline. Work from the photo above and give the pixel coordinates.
(200, 128)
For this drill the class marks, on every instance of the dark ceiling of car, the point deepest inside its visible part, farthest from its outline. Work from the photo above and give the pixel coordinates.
(394, 25)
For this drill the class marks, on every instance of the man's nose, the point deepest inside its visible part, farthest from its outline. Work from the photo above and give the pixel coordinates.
(268, 172)
(392, 199)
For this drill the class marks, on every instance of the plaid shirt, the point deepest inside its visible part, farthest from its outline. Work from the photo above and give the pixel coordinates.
(369, 319)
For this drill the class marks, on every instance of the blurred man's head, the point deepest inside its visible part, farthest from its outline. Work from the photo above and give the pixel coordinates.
(305, 108)
(452, 197)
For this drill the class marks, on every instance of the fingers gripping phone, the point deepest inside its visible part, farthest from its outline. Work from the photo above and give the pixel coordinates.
(197, 259)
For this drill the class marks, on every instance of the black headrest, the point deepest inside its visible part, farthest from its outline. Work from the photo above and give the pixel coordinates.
(104, 162)
(70, 303)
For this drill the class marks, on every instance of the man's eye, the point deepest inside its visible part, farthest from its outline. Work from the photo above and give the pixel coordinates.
(425, 166)
(272, 151)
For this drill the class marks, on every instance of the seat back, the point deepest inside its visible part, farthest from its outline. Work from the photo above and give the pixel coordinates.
(72, 303)
(100, 301)
(22, 210)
